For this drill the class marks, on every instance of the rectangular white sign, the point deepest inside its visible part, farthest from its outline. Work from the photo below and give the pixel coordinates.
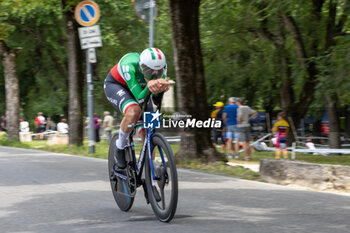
(91, 42)
(92, 55)
(91, 31)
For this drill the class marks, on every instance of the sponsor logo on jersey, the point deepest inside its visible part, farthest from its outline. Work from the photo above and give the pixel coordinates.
(113, 101)
(121, 93)
(126, 69)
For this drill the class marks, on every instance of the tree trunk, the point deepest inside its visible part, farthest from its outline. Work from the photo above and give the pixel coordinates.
(191, 90)
(12, 91)
(317, 130)
(347, 121)
(333, 119)
(330, 101)
(75, 78)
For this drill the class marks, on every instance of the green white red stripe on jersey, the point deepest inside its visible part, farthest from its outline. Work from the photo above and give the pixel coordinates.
(128, 104)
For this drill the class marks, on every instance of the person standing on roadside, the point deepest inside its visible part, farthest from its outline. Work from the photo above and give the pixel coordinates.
(40, 125)
(218, 132)
(244, 115)
(97, 123)
(280, 129)
(108, 125)
(230, 119)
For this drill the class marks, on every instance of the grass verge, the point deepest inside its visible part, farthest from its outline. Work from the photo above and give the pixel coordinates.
(222, 169)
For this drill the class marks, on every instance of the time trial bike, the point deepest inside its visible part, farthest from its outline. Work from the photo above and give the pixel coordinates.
(160, 183)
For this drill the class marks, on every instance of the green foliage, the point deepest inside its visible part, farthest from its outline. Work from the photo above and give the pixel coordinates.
(41, 68)
(38, 28)
(240, 60)
(237, 63)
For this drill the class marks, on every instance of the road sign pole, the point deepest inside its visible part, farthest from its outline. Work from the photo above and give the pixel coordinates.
(151, 4)
(87, 13)
(90, 99)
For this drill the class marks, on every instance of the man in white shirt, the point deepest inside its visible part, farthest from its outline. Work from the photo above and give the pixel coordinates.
(23, 125)
(62, 126)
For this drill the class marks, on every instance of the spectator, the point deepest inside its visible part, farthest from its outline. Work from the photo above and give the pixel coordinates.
(244, 115)
(62, 126)
(280, 128)
(51, 124)
(230, 119)
(40, 125)
(97, 123)
(23, 126)
(3, 124)
(309, 144)
(108, 125)
(218, 132)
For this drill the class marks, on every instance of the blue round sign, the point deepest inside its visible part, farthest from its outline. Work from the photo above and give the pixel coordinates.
(87, 13)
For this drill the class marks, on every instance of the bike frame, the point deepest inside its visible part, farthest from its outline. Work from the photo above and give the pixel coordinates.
(138, 165)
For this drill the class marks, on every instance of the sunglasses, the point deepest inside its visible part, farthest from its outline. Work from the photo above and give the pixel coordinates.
(150, 73)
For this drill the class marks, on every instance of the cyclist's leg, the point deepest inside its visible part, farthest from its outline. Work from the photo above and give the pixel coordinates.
(140, 129)
(122, 99)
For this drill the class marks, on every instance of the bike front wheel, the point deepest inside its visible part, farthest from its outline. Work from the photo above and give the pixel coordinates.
(165, 185)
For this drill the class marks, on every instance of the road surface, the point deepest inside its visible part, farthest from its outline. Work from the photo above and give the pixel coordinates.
(49, 192)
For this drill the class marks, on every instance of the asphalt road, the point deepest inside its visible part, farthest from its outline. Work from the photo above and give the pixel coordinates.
(50, 192)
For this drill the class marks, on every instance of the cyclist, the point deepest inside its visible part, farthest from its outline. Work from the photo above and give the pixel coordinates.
(127, 83)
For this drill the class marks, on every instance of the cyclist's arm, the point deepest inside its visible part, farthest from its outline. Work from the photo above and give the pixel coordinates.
(128, 73)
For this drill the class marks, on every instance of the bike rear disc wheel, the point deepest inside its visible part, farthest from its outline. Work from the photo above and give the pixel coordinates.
(167, 186)
(123, 190)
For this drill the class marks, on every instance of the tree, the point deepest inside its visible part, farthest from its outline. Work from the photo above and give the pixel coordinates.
(75, 77)
(316, 58)
(303, 36)
(191, 89)
(35, 26)
(12, 90)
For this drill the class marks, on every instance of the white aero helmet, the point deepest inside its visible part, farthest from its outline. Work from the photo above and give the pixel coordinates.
(152, 59)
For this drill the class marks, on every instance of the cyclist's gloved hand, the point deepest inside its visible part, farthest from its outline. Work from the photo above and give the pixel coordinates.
(164, 84)
(158, 85)
(153, 86)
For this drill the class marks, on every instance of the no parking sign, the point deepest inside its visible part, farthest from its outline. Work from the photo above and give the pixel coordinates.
(87, 13)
